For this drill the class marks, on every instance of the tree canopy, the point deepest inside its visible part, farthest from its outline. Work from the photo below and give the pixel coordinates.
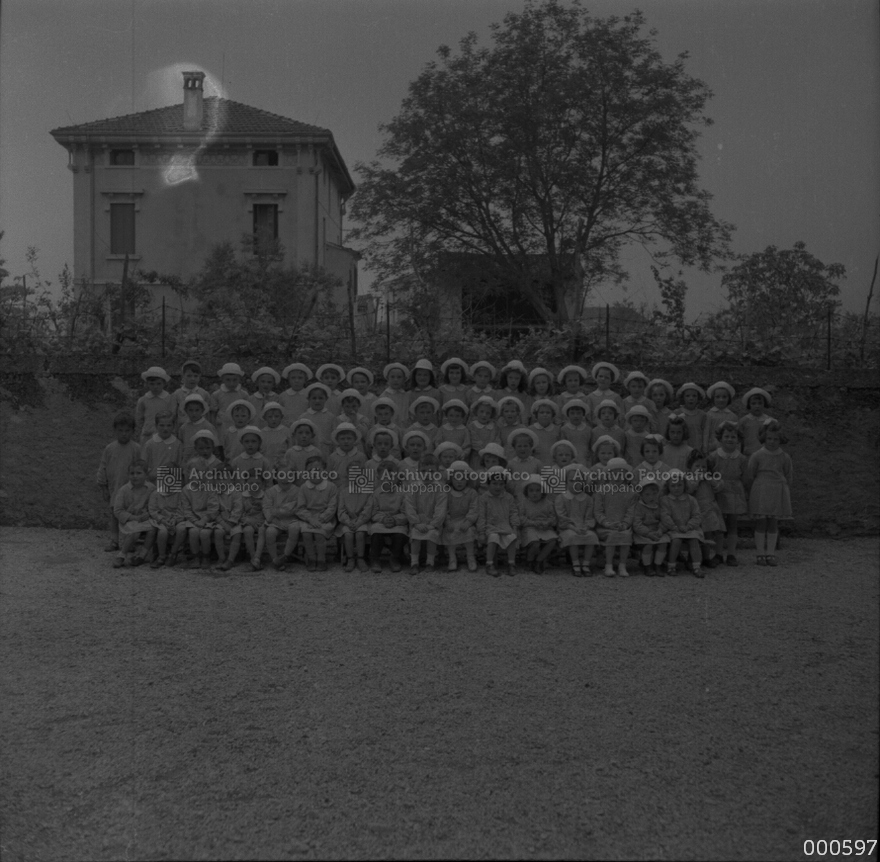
(550, 151)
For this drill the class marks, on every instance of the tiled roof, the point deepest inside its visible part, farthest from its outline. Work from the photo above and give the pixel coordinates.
(221, 117)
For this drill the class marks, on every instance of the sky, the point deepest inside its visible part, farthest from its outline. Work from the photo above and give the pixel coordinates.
(794, 152)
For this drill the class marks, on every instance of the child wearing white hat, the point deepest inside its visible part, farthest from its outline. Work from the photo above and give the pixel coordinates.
(453, 372)
(721, 395)
(293, 399)
(482, 427)
(453, 429)
(756, 401)
(423, 382)
(606, 375)
(155, 400)
(230, 390)
(266, 380)
(396, 374)
(614, 507)
(691, 396)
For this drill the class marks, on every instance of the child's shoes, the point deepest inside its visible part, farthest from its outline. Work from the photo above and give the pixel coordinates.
(698, 572)
(511, 569)
(111, 546)
(671, 569)
(119, 562)
(621, 571)
(376, 567)
(771, 560)
(157, 563)
(491, 570)
(731, 560)
(609, 571)
(349, 565)
(362, 565)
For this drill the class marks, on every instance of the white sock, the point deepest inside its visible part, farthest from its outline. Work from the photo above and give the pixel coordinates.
(759, 543)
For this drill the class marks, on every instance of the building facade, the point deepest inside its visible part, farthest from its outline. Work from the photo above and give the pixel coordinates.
(162, 187)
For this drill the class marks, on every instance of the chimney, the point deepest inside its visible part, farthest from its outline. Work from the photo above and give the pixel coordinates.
(193, 107)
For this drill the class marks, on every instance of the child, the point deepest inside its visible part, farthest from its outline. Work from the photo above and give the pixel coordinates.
(540, 385)
(605, 374)
(424, 383)
(242, 412)
(651, 467)
(729, 461)
(228, 522)
(253, 524)
(491, 455)
(690, 396)
(200, 506)
(703, 487)
(383, 444)
(604, 449)
(302, 448)
(453, 429)
(454, 386)
(116, 459)
(576, 429)
(563, 453)
(482, 429)
(756, 401)
(608, 413)
(537, 523)
(459, 528)
(388, 521)
(572, 378)
(649, 533)
(162, 449)
(345, 437)
(352, 402)
(131, 508)
(510, 412)
(203, 460)
(155, 400)
(276, 437)
(512, 381)
(293, 399)
(265, 379)
(322, 419)
(576, 520)
(680, 515)
(166, 515)
(636, 384)
(482, 373)
(523, 462)
(194, 407)
(190, 375)
(498, 521)
(721, 394)
(385, 417)
(415, 444)
(230, 390)
(769, 473)
(545, 428)
(251, 460)
(424, 502)
(317, 513)
(330, 375)
(447, 453)
(281, 502)
(396, 375)
(361, 379)
(660, 392)
(676, 449)
(637, 422)
(353, 520)
(615, 503)
(422, 413)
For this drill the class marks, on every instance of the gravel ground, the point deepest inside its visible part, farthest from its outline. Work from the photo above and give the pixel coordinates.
(175, 715)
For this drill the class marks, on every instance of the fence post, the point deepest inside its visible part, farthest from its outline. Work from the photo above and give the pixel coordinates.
(607, 327)
(828, 361)
(163, 327)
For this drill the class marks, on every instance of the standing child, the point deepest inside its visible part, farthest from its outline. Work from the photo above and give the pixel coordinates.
(424, 502)
(388, 521)
(265, 379)
(636, 385)
(422, 412)
(242, 412)
(690, 395)
(482, 373)
(459, 528)
(361, 379)
(703, 487)
(721, 395)
(510, 421)
(396, 375)
(190, 376)
(424, 383)
(608, 414)
(482, 428)
(293, 399)
(454, 386)
(512, 381)
(676, 450)
(251, 460)
(563, 453)
(649, 533)
(345, 437)
(661, 393)
(498, 521)
(131, 508)
(770, 475)
(545, 429)
(203, 460)
(195, 408)
(116, 459)
(228, 522)
(491, 455)
(573, 380)
(317, 513)
(383, 444)
(523, 462)
(615, 504)
(276, 437)
(605, 374)
(330, 374)
(166, 515)
(538, 520)
(322, 419)
(651, 467)
(576, 429)
(353, 520)
(415, 445)
(541, 386)
(230, 390)
(162, 449)
(756, 401)
(155, 400)
(302, 448)
(352, 404)
(200, 506)
(453, 429)
(446, 453)
(638, 419)
(680, 514)
(729, 461)
(385, 418)
(604, 449)
(576, 521)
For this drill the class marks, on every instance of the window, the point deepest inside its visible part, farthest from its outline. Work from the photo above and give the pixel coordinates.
(265, 158)
(122, 229)
(121, 157)
(265, 224)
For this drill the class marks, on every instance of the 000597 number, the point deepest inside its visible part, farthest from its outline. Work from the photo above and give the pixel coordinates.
(847, 847)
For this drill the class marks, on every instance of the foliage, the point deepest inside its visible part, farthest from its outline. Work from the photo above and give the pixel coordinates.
(549, 152)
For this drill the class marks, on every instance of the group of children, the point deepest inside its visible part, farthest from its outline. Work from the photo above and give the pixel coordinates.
(468, 459)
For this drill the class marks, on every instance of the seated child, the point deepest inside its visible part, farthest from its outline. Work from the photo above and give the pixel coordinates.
(459, 528)
(253, 524)
(424, 502)
(317, 513)
(700, 484)
(166, 516)
(200, 506)
(498, 521)
(649, 533)
(116, 459)
(388, 521)
(131, 507)
(353, 519)
(614, 504)
(281, 502)
(227, 525)
(680, 515)
(576, 521)
(538, 521)
(346, 437)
